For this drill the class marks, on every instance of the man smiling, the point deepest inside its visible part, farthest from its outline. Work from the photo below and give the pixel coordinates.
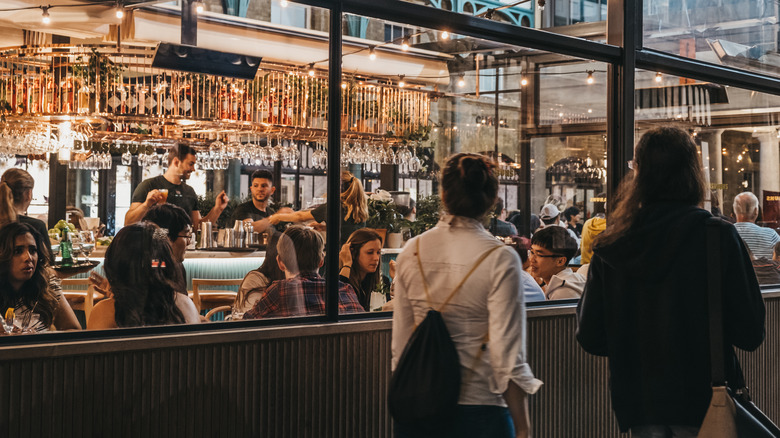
(551, 250)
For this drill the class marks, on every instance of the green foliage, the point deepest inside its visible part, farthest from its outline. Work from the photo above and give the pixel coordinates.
(99, 67)
(429, 209)
(383, 214)
(207, 201)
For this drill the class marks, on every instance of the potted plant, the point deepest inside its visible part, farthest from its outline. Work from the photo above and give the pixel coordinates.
(383, 215)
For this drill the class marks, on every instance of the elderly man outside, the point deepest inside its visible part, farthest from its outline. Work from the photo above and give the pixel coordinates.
(759, 240)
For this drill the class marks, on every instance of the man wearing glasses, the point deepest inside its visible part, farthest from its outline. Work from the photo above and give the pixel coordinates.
(551, 250)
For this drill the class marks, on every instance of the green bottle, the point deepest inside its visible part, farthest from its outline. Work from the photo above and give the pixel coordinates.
(66, 248)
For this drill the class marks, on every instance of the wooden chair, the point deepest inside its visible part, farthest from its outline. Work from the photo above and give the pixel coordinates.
(78, 298)
(208, 299)
(216, 310)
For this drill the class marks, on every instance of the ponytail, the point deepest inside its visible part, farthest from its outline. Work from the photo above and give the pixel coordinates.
(353, 198)
(7, 209)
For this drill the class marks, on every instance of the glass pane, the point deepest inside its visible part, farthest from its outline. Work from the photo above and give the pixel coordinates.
(581, 18)
(738, 146)
(411, 109)
(728, 32)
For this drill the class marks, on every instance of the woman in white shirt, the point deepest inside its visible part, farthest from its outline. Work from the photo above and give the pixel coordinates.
(495, 383)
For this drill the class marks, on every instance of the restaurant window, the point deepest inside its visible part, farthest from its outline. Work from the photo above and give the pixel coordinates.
(729, 32)
(737, 142)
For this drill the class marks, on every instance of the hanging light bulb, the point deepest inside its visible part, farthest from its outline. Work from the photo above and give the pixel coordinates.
(401, 82)
(344, 85)
(590, 79)
(283, 3)
(199, 7)
(311, 70)
(523, 80)
(462, 81)
(445, 34)
(405, 44)
(658, 77)
(372, 53)
(45, 18)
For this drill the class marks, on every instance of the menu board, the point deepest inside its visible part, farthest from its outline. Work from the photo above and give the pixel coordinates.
(771, 217)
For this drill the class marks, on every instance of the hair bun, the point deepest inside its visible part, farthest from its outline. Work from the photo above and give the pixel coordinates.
(474, 169)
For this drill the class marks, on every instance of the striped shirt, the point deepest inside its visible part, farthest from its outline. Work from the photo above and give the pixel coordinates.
(761, 241)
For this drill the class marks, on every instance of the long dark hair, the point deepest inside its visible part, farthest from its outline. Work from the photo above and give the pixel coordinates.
(666, 168)
(143, 277)
(35, 292)
(469, 187)
(356, 242)
(14, 184)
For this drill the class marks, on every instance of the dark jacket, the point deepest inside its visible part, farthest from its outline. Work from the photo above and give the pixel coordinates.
(645, 307)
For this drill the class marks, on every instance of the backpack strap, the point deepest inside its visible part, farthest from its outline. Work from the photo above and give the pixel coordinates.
(457, 288)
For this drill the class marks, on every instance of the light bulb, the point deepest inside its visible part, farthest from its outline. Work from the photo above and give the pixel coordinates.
(523, 81)
(45, 15)
(445, 35)
(401, 82)
(199, 7)
(283, 3)
(590, 79)
(658, 77)
(372, 54)
(461, 81)
(405, 44)
(120, 12)
(344, 85)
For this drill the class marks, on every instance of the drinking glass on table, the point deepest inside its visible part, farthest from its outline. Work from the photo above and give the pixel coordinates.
(87, 243)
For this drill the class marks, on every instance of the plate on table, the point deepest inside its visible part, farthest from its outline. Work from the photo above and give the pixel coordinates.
(76, 268)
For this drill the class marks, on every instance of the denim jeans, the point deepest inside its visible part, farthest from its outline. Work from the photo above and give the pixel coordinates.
(664, 431)
(471, 421)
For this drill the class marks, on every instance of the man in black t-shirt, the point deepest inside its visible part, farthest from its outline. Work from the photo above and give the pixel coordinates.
(171, 187)
(257, 210)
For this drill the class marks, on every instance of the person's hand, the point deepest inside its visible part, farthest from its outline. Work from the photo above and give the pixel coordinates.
(153, 197)
(100, 283)
(222, 200)
(273, 219)
(391, 269)
(345, 255)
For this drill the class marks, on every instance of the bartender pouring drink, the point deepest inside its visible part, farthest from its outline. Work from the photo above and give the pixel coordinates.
(171, 187)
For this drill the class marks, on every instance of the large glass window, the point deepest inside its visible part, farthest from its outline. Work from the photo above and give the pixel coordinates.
(738, 144)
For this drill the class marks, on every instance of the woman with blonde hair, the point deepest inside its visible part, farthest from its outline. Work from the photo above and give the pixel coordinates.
(353, 206)
(16, 186)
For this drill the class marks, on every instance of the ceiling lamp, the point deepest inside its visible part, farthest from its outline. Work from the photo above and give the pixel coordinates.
(372, 53)
(401, 82)
(120, 10)
(445, 34)
(462, 81)
(658, 77)
(405, 44)
(590, 79)
(311, 70)
(45, 17)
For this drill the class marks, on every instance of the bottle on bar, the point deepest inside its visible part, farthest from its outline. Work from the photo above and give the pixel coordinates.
(66, 248)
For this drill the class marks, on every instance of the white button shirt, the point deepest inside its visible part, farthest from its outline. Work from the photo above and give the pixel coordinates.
(491, 301)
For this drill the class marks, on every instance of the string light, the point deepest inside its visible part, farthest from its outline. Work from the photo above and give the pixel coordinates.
(405, 44)
(401, 82)
(445, 34)
(120, 11)
(283, 3)
(311, 70)
(45, 15)
(523, 81)
(199, 7)
(590, 79)
(658, 77)
(344, 85)
(462, 81)
(372, 54)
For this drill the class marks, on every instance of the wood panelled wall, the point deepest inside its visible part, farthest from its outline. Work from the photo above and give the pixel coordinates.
(303, 381)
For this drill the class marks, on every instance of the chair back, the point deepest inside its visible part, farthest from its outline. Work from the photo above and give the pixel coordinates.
(81, 294)
(205, 298)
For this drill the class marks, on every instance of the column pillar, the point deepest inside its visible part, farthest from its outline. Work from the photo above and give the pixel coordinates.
(769, 156)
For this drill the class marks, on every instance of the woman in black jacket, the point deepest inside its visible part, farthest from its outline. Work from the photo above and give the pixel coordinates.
(645, 301)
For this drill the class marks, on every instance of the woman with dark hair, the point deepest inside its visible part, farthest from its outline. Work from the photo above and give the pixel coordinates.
(256, 281)
(359, 262)
(645, 304)
(26, 283)
(146, 282)
(354, 207)
(485, 318)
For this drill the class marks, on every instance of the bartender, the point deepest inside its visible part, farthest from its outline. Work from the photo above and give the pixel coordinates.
(257, 209)
(171, 187)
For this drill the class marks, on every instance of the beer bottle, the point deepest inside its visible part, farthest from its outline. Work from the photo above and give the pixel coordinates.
(66, 248)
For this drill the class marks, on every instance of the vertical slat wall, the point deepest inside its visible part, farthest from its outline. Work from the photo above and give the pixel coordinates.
(310, 381)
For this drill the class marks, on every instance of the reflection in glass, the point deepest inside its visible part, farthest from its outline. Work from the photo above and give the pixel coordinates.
(738, 147)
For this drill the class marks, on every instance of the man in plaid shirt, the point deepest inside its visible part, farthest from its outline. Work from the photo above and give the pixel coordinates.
(302, 292)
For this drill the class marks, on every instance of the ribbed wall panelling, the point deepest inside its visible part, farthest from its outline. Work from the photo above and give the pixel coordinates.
(306, 381)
